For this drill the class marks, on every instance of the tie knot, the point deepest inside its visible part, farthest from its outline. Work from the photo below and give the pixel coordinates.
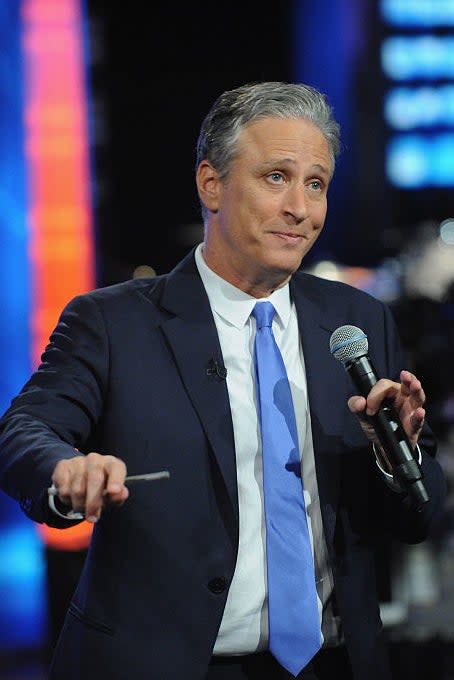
(264, 313)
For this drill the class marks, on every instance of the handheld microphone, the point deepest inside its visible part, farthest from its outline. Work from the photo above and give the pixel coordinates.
(349, 345)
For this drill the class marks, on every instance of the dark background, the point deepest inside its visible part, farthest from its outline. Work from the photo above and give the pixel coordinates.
(155, 72)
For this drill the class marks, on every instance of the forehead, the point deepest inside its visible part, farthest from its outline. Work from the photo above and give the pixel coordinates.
(276, 136)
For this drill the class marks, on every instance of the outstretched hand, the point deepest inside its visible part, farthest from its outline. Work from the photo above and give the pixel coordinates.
(87, 483)
(408, 399)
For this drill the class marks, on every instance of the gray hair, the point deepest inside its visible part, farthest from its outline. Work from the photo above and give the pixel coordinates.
(234, 109)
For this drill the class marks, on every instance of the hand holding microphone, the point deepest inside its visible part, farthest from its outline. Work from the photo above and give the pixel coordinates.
(394, 415)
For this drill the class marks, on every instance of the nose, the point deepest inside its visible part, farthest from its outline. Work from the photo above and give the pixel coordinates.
(295, 206)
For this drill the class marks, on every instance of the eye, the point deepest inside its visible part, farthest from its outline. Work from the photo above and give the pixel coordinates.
(276, 177)
(316, 185)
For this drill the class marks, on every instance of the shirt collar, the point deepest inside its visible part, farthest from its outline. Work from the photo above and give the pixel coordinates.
(231, 303)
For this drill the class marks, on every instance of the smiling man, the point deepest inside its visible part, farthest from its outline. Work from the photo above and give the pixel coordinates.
(255, 558)
(269, 209)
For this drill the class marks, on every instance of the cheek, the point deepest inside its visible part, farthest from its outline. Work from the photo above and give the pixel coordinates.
(319, 214)
(234, 200)
(248, 198)
(261, 205)
(247, 209)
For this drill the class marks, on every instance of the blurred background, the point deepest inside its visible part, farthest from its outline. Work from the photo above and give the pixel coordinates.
(100, 107)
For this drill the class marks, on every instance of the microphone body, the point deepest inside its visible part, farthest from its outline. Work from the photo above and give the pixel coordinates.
(386, 423)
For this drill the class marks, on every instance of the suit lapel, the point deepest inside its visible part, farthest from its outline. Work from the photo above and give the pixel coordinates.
(326, 401)
(192, 337)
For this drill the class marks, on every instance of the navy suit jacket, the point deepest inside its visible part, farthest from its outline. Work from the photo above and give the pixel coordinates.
(128, 371)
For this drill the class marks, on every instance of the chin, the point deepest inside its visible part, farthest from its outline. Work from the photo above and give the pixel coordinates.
(281, 271)
(287, 265)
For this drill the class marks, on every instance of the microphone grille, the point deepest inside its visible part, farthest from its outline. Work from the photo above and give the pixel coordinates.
(347, 343)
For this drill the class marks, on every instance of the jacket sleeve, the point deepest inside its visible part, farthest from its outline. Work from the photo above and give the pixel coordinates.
(404, 521)
(57, 410)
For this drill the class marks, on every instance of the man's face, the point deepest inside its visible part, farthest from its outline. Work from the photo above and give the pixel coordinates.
(269, 210)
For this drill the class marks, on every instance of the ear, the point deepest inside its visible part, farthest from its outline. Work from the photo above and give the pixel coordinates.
(208, 185)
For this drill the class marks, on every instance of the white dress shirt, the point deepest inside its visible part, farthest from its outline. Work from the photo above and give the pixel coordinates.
(244, 626)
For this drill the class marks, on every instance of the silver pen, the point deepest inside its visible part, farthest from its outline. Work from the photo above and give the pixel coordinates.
(52, 491)
(164, 474)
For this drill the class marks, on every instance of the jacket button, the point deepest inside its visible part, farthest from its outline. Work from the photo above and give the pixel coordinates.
(217, 585)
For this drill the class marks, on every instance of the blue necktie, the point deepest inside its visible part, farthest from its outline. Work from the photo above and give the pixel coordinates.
(294, 623)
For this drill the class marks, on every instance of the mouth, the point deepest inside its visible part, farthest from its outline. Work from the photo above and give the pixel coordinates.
(289, 237)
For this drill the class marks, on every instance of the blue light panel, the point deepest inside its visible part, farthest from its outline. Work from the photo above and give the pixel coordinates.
(417, 57)
(21, 577)
(416, 161)
(425, 57)
(414, 13)
(420, 107)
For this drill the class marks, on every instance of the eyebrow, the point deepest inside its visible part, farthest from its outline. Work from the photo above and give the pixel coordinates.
(322, 168)
(291, 161)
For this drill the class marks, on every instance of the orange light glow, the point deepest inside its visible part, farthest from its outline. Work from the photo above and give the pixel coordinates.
(57, 155)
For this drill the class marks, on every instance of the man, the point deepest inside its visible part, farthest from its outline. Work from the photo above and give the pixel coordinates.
(158, 375)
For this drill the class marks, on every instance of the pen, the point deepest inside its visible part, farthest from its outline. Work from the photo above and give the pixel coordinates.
(52, 491)
(148, 476)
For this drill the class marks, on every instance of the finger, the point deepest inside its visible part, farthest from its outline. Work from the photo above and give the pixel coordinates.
(63, 476)
(115, 482)
(105, 483)
(383, 389)
(417, 419)
(406, 379)
(116, 491)
(413, 388)
(95, 486)
(411, 405)
(356, 404)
